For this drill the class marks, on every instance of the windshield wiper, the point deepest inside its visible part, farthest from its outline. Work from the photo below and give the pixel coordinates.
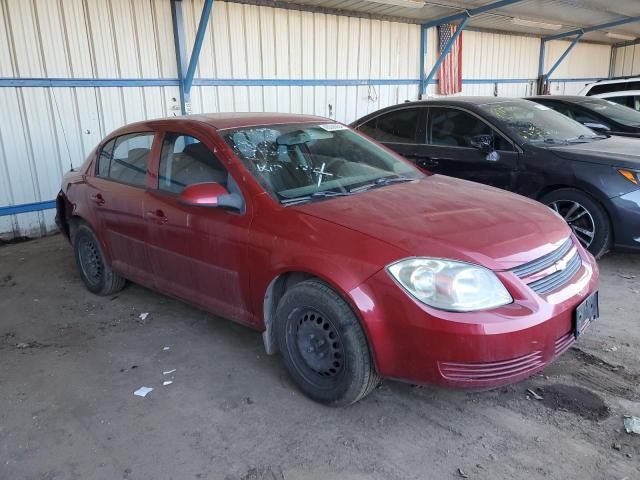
(585, 138)
(388, 180)
(314, 195)
(381, 182)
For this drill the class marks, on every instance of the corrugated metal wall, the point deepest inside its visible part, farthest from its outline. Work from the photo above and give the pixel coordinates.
(627, 61)
(492, 56)
(586, 60)
(283, 60)
(44, 130)
(250, 42)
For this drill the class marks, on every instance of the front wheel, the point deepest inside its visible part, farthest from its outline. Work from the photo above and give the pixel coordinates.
(323, 345)
(586, 217)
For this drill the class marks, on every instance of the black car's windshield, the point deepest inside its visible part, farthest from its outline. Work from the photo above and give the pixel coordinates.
(614, 111)
(535, 123)
(301, 162)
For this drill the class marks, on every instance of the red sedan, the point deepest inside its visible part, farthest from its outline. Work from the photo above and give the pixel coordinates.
(354, 264)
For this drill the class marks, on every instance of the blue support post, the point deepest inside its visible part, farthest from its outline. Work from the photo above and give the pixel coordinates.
(446, 51)
(423, 52)
(563, 56)
(197, 45)
(178, 40)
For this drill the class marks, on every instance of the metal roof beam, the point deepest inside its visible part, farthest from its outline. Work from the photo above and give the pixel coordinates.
(469, 13)
(197, 45)
(602, 26)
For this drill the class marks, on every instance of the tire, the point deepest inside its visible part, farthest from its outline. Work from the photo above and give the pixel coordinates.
(589, 212)
(312, 320)
(96, 273)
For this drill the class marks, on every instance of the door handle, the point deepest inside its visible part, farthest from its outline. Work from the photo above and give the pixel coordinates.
(98, 199)
(157, 216)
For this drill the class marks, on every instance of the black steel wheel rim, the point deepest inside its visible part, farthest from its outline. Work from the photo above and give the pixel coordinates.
(90, 260)
(579, 219)
(317, 346)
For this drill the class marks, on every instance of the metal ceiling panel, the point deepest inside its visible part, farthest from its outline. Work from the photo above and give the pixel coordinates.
(570, 14)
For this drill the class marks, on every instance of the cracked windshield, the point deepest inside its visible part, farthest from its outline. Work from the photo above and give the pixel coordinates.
(298, 163)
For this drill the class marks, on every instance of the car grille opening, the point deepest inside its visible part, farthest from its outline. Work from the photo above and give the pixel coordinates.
(491, 370)
(566, 260)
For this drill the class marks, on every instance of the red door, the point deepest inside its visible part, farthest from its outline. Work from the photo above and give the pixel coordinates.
(196, 252)
(117, 194)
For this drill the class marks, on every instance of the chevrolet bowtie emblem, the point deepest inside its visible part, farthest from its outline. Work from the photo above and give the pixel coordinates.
(561, 264)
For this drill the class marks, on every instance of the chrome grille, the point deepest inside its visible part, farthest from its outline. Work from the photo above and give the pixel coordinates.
(543, 262)
(555, 279)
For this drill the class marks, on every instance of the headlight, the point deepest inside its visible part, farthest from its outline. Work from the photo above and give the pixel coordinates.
(631, 175)
(450, 285)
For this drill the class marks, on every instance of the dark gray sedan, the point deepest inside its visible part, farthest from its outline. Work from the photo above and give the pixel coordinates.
(591, 180)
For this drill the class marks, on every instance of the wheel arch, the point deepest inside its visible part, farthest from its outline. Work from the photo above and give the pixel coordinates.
(599, 199)
(276, 289)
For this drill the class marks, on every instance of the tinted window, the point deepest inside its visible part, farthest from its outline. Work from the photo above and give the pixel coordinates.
(186, 160)
(614, 111)
(126, 158)
(626, 100)
(607, 88)
(399, 126)
(369, 128)
(104, 160)
(582, 116)
(457, 128)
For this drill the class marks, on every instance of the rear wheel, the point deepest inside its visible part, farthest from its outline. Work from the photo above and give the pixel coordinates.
(585, 216)
(96, 273)
(324, 348)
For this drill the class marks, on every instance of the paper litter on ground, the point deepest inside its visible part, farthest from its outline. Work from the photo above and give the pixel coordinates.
(143, 391)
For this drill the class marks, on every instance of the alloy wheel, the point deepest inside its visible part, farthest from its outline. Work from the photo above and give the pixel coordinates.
(579, 219)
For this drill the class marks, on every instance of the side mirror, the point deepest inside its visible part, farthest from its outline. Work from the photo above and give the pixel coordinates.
(210, 194)
(598, 127)
(484, 143)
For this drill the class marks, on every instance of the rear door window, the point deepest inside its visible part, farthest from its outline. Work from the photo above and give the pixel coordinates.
(399, 126)
(125, 159)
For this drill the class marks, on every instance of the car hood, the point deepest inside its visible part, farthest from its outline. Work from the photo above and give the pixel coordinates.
(615, 151)
(444, 217)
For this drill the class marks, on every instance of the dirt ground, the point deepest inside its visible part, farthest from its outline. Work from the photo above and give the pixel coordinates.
(70, 362)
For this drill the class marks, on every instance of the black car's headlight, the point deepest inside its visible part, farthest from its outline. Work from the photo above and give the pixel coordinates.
(632, 175)
(450, 285)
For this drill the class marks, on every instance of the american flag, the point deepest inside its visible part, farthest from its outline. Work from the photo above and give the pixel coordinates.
(450, 74)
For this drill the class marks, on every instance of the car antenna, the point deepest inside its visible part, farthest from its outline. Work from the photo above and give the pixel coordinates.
(64, 133)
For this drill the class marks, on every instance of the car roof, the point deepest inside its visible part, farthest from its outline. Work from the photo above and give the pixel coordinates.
(612, 80)
(619, 93)
(479, 100)
(223, 121)
(563, 98)
(443, 101)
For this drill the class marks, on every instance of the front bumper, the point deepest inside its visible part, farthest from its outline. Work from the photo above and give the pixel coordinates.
(625, 215)
(419, 344)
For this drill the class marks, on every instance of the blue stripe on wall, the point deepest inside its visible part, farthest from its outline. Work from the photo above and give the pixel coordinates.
(234, 82)
(27, 207)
